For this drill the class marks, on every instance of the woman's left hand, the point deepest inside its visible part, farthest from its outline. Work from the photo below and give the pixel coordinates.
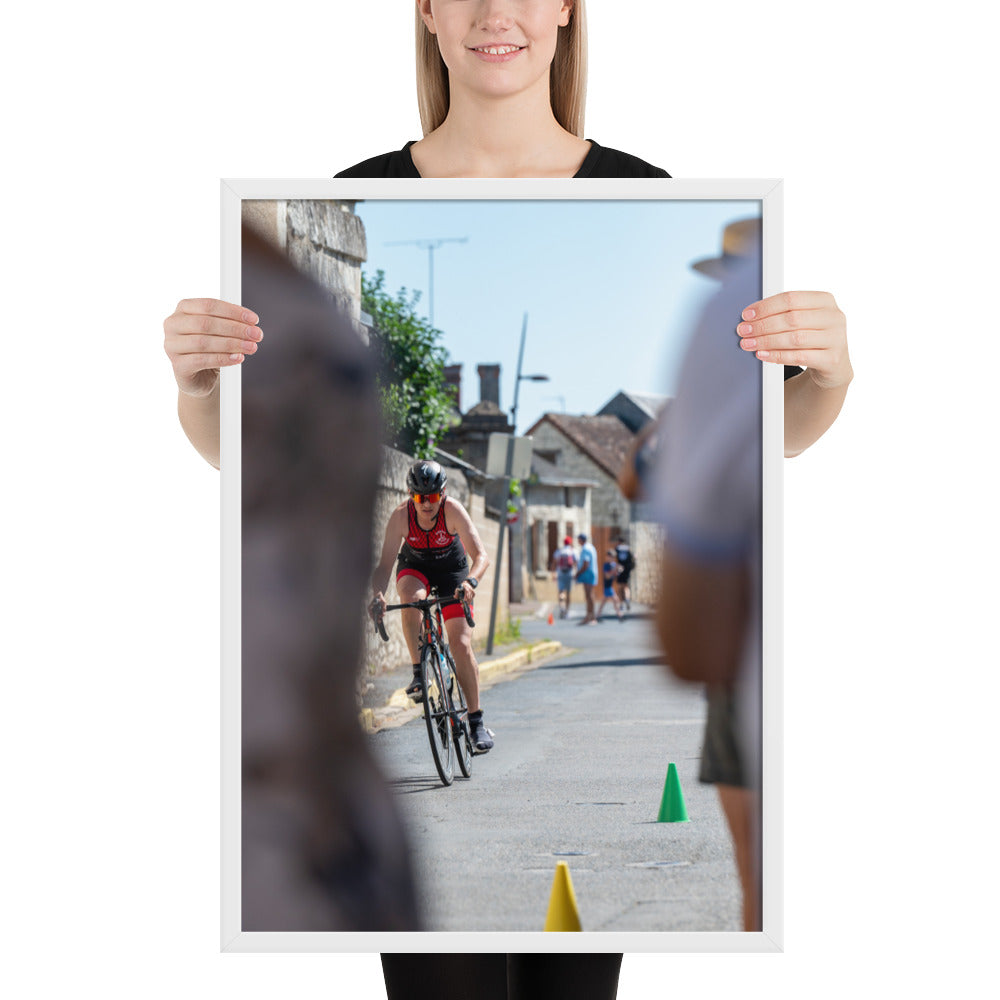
(800, 328)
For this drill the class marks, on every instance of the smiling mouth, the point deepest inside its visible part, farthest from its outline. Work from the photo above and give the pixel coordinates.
(498, 50)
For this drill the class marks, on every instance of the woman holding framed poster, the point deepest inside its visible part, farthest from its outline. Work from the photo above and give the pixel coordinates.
(505, 58)
(501, 87)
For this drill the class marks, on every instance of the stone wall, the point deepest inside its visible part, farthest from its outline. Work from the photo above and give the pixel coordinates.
(646, 540)
(381, 655)
(324, 239)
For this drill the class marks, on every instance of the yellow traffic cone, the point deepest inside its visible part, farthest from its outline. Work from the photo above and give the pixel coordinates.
(562, 915)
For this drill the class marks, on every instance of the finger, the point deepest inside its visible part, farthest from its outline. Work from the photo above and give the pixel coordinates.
(194, 325)
(794, 319)
(178, 346)
(788, 301)
(793, 340)
(216, 307)
(804, 359)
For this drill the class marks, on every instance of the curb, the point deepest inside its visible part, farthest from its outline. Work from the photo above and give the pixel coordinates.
(399, 708)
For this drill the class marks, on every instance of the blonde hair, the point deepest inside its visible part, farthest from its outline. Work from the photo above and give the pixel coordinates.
(567, 75)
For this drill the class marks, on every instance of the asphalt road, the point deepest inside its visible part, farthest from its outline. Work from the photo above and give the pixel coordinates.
(582, 747)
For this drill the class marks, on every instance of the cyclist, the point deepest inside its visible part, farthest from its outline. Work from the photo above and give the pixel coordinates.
(431, 534)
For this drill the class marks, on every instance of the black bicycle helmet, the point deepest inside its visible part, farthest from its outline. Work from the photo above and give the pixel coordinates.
(426, 477)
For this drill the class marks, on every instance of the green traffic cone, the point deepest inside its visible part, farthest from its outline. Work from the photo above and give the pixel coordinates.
(672, 809)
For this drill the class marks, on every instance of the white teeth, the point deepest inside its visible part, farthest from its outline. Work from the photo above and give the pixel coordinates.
(499, 50)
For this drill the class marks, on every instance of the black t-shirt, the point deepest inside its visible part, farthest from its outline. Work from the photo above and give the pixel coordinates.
(600, 161)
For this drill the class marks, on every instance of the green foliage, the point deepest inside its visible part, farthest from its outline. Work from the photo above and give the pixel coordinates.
(417, 403)
(509, 631)
(513, 493)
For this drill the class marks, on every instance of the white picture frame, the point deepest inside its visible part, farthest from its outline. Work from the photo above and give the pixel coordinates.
(768, 195)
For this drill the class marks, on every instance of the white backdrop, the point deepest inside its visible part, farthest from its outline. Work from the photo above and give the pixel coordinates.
(120, 122)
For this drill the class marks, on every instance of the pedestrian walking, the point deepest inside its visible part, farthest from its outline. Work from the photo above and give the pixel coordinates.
(563, 563)
(626, 563)
(609, 572)
(587, 575)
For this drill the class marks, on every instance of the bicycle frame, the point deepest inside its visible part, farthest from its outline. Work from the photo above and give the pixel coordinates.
(437, 670)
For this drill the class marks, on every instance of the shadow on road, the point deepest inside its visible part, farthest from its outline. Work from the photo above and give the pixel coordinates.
(644, 661)
(426, 783)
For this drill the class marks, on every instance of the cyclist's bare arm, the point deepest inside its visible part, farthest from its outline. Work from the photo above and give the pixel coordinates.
(458, 520)
(395, 532)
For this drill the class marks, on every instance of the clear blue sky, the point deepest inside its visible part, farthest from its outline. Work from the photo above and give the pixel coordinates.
(607, 287)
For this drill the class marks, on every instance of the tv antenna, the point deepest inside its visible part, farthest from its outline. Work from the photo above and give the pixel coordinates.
(430, 246)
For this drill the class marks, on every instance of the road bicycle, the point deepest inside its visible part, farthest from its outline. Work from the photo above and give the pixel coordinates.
(445, 711)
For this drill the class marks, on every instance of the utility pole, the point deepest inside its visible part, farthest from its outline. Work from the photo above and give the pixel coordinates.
(508, 469)
(430, 246)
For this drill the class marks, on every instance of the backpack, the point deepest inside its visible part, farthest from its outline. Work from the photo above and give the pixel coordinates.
(566, 560)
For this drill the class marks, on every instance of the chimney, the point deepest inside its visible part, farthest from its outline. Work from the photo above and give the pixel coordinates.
(489, 384)
(453, 377)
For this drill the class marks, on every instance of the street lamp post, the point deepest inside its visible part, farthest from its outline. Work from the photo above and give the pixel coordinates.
(518, 378)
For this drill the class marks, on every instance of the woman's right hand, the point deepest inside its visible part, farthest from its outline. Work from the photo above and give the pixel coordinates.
(203, 335)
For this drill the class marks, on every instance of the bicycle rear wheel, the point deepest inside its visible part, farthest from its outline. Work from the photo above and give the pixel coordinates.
(437, 714)
(460, 722)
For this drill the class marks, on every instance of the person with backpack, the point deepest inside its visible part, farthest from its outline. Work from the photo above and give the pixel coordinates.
(564, 562)
(626, 562)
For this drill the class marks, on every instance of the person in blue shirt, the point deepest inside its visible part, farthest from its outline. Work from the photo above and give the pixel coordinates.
(587, 575)
(609, 574)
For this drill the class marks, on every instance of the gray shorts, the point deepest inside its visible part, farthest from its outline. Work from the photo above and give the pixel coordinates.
(721, 762)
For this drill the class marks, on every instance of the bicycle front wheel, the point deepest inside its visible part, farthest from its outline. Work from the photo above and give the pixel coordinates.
(460, 722)
(437, 714)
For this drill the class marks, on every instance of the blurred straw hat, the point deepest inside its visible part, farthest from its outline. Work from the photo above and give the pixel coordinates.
(739, 240)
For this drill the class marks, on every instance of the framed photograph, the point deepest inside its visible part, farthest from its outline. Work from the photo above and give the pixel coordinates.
(502, 369)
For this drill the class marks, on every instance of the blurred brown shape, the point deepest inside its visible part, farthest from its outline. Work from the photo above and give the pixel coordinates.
(323, 847)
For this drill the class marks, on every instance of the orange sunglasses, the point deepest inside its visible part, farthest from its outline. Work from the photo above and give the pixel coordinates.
(426, 497)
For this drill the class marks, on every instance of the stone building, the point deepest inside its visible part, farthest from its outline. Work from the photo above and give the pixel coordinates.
(556, 504)
(594, 449)
(469, 438)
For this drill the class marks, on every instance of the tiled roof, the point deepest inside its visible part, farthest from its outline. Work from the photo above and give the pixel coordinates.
(649, 402)
(605, 440)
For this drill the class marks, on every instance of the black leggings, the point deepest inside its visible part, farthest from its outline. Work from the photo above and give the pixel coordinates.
(501, 977)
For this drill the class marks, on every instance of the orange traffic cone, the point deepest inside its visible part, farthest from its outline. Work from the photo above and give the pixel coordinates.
(551, 619)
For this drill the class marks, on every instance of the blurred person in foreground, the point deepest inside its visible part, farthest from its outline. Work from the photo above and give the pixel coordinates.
(705, 484)
(707, 493)
(322, 846)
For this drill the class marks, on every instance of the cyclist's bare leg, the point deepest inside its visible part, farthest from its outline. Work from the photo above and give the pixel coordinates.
(410, 588)
(460, 641)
